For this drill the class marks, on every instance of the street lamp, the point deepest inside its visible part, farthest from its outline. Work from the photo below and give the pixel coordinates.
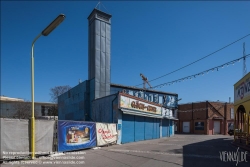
(45, 32)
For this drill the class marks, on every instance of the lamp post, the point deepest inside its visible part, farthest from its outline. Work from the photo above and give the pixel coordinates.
(45, 32)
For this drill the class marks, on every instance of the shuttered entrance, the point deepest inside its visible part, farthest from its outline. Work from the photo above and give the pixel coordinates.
(156, 132)
(186, 127)
(137, 128)
(216, 127)
(128, 129)
(165, 129)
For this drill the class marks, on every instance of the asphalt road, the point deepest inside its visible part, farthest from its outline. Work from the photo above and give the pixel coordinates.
(179, 150)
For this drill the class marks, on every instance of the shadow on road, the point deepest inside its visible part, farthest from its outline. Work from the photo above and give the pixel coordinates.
(213, 152)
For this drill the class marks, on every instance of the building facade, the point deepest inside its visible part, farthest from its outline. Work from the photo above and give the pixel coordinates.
(242, 107)
(206, 117)
(147, 114)
(19, 108)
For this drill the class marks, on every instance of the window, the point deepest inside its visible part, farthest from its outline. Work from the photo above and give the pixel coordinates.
(199, 126)
(131, 92)
(232, 113)
(43, 111)
(141, 95)
(150, 97)
(160, 99)
(146, 97)
(156, 98)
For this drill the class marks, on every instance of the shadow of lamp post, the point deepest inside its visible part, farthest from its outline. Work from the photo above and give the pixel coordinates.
(45, 32)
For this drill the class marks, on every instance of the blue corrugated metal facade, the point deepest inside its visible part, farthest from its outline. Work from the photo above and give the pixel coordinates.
(128, 128)
(149, 128)
(73, 105)
(137, 128)
(96, 99)
(165, 132)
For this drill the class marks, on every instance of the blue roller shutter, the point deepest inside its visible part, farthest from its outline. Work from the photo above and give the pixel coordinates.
(128, 128)
(139, 128)
(156, 131)
(171, 127)
(164, 128)
(149, 128)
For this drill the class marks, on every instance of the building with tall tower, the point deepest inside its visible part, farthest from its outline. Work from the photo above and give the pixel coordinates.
(99, 53)
(139, 113)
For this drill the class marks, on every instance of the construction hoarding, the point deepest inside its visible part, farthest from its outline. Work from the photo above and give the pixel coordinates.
(105, 133)
(73, 135)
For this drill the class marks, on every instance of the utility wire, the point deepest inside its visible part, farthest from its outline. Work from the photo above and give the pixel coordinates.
(199, 59)
(202, 73)
(195, 75)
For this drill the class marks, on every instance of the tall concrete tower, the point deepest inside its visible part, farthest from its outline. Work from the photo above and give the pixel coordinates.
(99, 53)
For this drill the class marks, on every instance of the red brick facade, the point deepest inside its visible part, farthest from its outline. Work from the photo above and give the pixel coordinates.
(204, 118)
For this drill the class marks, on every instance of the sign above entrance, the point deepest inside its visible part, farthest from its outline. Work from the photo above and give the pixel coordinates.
(135, 103)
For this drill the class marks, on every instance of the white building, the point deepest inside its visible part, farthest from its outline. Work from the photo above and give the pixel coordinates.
(11, 106)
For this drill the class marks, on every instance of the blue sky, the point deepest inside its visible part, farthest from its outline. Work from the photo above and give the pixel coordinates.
(153, 38)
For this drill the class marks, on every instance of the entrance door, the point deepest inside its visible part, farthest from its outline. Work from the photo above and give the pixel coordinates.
(186, 127)
(139, 128)
(175, 126)
(216, 127)
(128, 128)
(149, 128)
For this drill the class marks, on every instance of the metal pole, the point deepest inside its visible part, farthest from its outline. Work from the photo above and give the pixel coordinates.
(32, 101)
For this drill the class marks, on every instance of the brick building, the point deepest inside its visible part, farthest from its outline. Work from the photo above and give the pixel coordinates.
(206, 117)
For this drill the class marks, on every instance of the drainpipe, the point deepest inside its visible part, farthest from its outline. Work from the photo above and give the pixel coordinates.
(112, 106)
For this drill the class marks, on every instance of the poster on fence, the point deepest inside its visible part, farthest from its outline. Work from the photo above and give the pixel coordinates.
(74, 135)
(105, 133)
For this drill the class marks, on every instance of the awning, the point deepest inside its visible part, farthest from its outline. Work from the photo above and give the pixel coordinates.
(173, 118)
(133, 112)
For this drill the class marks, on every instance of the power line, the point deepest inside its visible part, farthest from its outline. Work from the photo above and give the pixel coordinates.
(203, 72)
(198, 74)
(184, 78)
(199, 59)
(244, 61)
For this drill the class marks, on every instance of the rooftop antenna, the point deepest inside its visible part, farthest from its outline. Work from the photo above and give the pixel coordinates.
(99, 4)
(145, 80)
(244, 61)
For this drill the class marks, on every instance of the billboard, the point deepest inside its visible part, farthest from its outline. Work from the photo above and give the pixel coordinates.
(73, 135)
(242, 89)
(141, 105)
(105, 133)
